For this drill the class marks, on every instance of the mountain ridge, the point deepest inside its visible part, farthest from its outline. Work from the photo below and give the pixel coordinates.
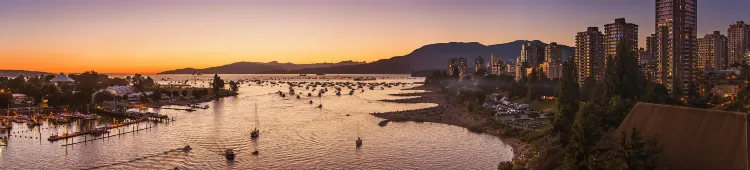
(245, 67)
(428, 57)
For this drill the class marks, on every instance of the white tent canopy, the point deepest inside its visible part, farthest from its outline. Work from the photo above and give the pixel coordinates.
(62, 78)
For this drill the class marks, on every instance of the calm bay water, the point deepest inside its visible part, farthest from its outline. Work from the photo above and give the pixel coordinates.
(293, 135)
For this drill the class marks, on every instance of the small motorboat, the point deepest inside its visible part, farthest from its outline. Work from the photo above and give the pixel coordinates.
(255, 153)
(229, 153)
(320, 106)
(187, 148)
(311, 102)
(359, 142)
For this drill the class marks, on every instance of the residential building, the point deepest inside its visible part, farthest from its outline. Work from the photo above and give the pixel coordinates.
(553, 53)
(712, 52)
(463, 66)
(452, 63)
(552, 70)
(676, 32)
(497, 65)
(651, 65)
(510, 68)
(532, 54)
(552, 66)
(738, 41)
(520, 68)
(619, 31)
(479, 65)
(589, 56)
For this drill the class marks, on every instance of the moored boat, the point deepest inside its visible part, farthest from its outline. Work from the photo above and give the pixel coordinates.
(229, 153)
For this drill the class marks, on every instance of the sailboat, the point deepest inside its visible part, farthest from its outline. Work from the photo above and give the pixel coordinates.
(256, 132)
(359, 138)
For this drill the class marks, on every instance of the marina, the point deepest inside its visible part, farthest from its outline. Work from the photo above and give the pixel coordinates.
(295, 133)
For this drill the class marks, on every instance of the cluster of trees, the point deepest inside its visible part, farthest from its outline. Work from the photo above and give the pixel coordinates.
(582, 135)
(75, 95)
(217, 84)
(234, 86)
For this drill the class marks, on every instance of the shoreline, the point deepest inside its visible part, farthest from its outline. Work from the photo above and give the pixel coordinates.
(451, 113)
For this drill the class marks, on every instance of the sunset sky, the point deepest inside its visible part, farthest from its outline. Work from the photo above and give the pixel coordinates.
(140, 36)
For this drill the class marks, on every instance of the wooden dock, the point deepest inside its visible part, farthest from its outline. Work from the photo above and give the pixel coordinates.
(76, 134)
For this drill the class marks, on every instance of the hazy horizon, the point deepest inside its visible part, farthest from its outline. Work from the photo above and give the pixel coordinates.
(153, 36)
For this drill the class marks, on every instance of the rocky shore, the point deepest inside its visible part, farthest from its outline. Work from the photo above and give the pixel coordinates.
(449, 112)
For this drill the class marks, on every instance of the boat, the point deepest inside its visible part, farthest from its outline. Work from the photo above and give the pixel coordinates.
(255, 153)
(187, 148)
(298, 97)
(320, 74)
(255, 133)
(359, 142)
(229, 153)
(302, 74)
(320, 106)
(311, 102)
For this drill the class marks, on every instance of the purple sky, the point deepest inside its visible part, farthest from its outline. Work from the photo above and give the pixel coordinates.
(305, 31)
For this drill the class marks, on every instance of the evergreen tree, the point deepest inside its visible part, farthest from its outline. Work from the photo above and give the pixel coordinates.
(217, 84)
(532, 85)
(586, 132)
(567, 99)
(621, 75)
(632, 152)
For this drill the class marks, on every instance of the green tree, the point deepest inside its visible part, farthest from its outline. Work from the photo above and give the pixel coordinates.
(156, 96)
(621, 75)
(567, 103)
(145, 98)
(217, 84)
(456, 73)
(532, 85)
(581, 151)
(5, 100)
(632, 152)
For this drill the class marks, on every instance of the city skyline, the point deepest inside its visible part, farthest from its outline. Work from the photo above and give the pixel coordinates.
(149, 37)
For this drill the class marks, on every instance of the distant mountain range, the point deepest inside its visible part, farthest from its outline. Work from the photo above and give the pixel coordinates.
(257, 68)
(16, 73)
(428, 57)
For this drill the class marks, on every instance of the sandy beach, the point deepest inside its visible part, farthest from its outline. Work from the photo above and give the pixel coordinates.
(449, 112)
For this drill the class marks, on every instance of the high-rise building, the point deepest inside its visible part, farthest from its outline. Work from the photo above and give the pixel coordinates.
(552, 66)
(589, 56)
(452, 63)
(510, 68)
(619, 31)
(479, 65)
(552, 70)
(520, 68)
(712, 52)
(651, 65)
(553, 53)
(652, 46)
(463, 66)
(643, 57)
(532, 54)
(738, 36)
(497, 65)
(676, 27)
